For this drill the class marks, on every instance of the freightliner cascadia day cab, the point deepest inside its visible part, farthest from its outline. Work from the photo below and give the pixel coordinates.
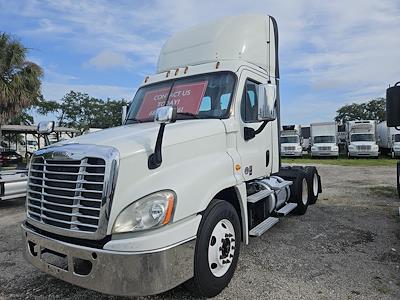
(324, 139)
(361, 139)
(291, 141)
(170, 196)
(393, 116)
(388, 139)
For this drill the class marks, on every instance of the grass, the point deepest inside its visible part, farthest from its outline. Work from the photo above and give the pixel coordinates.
(342, 161)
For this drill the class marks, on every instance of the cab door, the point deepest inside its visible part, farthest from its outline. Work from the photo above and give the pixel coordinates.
(255, 152)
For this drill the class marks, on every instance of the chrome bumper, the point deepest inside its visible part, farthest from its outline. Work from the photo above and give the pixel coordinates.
(291, 153)
(111, 272)
(325, 153)
(364, 153)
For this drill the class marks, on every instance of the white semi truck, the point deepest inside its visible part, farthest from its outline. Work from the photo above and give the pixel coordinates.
(170, 196)
(291, 141)
(361, 139)
(388, 139)
(324, 139)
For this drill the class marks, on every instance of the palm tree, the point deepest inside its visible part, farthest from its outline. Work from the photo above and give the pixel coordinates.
(19, 79)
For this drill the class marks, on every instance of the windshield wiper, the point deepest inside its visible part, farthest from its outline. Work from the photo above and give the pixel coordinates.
(188, 114)
(134, 120)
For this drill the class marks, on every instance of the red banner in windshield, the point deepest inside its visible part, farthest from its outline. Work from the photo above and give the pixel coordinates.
(186, 97)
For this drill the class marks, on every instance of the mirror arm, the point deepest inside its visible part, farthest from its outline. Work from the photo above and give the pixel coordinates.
(250, 133)
(155, 159)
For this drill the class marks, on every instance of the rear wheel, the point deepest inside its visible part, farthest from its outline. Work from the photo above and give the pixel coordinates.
(314, 184)
(217, 249)
(301, 192)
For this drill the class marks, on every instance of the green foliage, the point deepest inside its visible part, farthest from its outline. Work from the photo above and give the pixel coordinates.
(371, 110)
(19, 79)
(81, 111)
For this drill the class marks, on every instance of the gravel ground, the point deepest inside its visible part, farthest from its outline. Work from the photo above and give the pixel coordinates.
(347, 246)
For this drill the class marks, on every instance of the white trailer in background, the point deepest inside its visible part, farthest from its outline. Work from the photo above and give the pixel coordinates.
(361, 139)
(291, 141)
(324, 139)
(388, 139)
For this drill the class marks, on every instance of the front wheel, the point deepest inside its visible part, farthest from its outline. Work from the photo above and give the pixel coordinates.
(217, 249)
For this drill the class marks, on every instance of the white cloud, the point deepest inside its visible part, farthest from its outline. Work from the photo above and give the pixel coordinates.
(110, 59)
(334, 52)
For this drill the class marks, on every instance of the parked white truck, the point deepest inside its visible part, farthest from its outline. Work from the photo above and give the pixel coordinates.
(388, 139)
(361, 139)
(291, 141)
(324, 139)
(195, 171)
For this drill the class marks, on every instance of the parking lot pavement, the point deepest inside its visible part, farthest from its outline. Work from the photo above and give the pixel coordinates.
(347, 246)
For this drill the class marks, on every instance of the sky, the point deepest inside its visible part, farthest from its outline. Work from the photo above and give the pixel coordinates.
(331, 52)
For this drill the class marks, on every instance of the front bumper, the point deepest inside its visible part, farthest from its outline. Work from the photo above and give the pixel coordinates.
(324, 153)
(292, 153)
(111, 272)
(363, 153)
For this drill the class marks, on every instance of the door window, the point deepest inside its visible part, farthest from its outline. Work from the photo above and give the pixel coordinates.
(249, 104)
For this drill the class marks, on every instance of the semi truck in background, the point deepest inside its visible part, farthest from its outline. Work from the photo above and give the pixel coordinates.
(388, 139)
(305, 136)
(393, 116)
(361, 139)
(195, 171)
(291, 141)
(324, 139)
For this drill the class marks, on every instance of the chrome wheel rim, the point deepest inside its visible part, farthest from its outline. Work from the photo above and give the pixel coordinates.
(221, 248)
(304, 192)
(315, 184)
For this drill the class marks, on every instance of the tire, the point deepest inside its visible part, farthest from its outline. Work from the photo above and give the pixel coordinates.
(299, 193)
(314, 184)
(211, 271)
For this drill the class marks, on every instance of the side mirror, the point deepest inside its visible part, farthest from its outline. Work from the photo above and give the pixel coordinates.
(267, 102)
(124, 113)
(393, 105)
(45, 127)
(165, 115)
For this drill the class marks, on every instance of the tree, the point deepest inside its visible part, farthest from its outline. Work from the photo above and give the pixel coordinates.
(371, 110)
(19, 79)
(81, 111)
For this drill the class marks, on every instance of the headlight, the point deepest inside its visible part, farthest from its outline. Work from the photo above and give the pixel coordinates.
(352, 147)
(299, 148)
(314, 148)
(375, 147)
(151, 211)
(335, 148)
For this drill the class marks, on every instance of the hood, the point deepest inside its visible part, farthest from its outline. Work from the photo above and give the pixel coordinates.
(141, 137)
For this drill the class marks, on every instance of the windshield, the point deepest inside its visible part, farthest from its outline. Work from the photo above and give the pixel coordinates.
(324, 139)
(289, 139)
(397, 138)
(204, 96)
(362, 137)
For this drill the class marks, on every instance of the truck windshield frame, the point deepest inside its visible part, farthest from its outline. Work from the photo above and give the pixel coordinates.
(362, 137)
(289, 139)
(321, 139)
(219, 89)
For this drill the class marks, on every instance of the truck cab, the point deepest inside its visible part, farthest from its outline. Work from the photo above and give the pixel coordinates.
(324, 139)
(193, 172)
(291, 141)
(361, 140)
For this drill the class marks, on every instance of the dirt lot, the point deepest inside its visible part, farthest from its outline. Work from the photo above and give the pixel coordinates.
(347, 246)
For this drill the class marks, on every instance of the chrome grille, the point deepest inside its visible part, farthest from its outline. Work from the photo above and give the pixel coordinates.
(324, 148)
(364, 147)
(289, 148)
(70, 189)
(66, 194)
